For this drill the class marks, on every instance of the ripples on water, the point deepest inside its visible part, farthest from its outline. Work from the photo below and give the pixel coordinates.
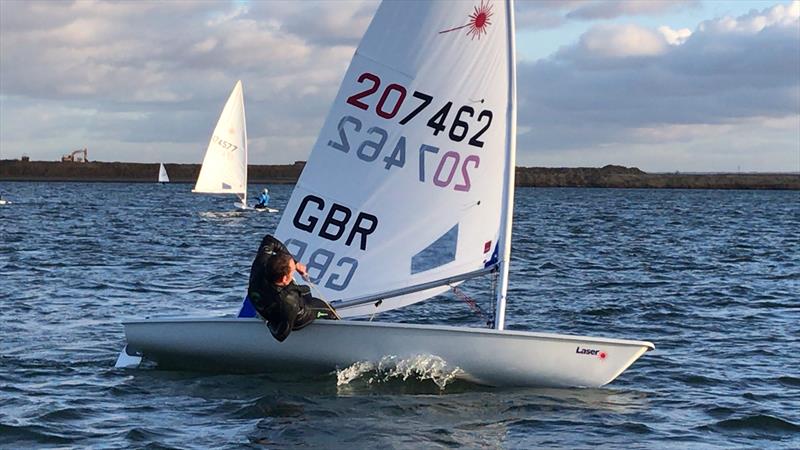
(712, 277)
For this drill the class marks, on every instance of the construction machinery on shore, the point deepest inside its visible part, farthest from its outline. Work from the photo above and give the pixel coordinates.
(75, 156)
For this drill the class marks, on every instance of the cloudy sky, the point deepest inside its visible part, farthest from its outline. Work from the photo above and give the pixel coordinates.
(680, 85)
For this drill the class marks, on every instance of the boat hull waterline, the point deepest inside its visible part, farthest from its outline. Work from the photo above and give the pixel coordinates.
(244, 207)
(483, 356)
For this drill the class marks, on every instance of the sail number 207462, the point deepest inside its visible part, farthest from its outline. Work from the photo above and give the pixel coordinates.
(393, 96)
(444, 169)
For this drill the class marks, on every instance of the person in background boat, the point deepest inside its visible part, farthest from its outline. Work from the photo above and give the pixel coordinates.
(263, 199)
(285, 305)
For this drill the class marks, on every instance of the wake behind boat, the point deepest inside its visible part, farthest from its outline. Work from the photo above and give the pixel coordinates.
(408, 192)
(264, 209)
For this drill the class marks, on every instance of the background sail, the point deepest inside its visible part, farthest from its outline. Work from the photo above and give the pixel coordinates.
(224, 169)
(404, 184)
(162, 174)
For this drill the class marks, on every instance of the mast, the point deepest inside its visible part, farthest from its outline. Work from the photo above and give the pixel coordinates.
(244, 130)
(507, 212)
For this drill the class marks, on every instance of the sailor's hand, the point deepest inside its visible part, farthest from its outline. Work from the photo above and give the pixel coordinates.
(302, 270)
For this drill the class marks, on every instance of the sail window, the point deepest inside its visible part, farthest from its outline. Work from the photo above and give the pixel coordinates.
(439, 253)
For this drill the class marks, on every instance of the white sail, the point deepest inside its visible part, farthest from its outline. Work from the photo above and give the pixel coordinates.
(224, 169)
(405, 184)
(162, 174)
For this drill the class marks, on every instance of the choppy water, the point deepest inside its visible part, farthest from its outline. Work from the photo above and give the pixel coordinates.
(712, 277)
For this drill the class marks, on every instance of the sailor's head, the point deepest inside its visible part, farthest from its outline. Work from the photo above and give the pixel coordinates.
(266, 191)
(279, 269)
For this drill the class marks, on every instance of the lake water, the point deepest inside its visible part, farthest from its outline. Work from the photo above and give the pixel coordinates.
(711, 277)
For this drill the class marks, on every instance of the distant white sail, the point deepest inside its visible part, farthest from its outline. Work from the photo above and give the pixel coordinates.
(224, 169)
(405, 184)
(162, 174)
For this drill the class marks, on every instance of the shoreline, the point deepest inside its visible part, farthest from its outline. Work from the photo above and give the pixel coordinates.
(604, 177)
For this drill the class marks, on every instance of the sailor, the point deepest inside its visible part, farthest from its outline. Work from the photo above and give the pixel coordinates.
(263, 199)
(285, 305)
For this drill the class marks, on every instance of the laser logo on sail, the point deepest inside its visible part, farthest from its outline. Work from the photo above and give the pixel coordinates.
(479, 21)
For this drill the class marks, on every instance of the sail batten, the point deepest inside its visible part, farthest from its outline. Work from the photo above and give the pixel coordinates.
(404, 184)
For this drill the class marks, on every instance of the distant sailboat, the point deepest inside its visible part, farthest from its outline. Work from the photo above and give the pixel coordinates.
(162, 174)
(224, 169)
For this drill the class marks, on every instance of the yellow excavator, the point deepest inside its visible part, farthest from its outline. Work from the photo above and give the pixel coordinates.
(75, 156)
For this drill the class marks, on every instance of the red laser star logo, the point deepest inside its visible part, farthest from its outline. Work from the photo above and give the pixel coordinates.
(479, 21)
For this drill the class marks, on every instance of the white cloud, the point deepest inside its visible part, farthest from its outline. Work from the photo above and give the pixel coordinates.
(622, 41)
(610, 9)
(137, 78)
(627, 87)
(674, 37)
(205, 46)
(755, 21)
(543, 14)
(161, 71)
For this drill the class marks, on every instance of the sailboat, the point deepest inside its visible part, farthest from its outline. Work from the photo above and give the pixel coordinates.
(407, 192)
(224, 169)
(162, 174)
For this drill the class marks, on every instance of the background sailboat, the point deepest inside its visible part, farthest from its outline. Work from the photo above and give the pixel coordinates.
(162, 174)
(224, 169)
(407, 192)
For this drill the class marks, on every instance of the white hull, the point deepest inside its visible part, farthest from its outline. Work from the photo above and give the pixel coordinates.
(491, 357)
(244, 207)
